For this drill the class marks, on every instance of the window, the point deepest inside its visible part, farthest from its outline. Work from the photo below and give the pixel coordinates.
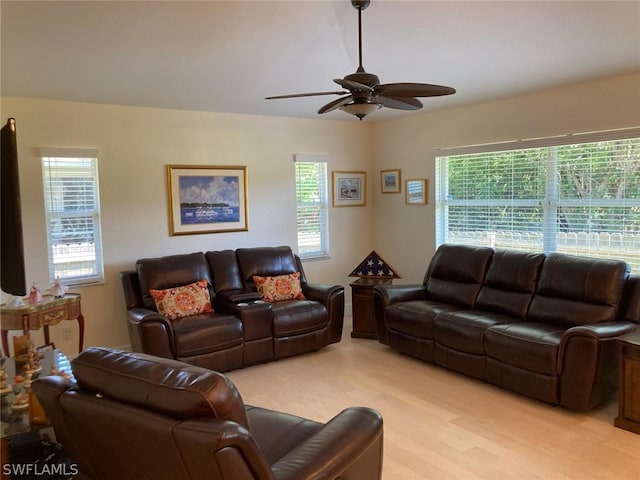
(577, 194)
(72, 207)
(312, 203)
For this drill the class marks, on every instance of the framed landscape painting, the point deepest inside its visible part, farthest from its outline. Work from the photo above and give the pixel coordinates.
(207, 199)
(390, 181)
(349, 189)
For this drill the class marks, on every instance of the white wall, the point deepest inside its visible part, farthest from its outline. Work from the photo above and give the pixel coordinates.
(405, 235)
(135, 145)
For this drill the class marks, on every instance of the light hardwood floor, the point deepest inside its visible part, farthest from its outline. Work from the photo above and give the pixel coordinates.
(442, 425)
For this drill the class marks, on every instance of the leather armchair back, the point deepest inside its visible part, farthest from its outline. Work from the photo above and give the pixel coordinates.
(169, 272)
(584, 290)
(510, 282)
(265, 261)
(456, 272)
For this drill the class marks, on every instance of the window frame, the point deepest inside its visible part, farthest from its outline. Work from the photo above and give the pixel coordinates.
(53, 211)
(549, 203)
(321, 205)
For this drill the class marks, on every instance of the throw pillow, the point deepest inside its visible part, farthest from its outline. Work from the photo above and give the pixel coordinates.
(279, 288)
(184, 301)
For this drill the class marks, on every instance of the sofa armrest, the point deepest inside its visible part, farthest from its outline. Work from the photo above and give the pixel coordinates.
(385, 295)
(150, 332)
(332, 297)
(588, 363)
(349, 447)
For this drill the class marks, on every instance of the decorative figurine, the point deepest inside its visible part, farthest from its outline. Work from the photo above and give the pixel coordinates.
(33, 359)
(4, 386)
(58, 290)
(35, 295)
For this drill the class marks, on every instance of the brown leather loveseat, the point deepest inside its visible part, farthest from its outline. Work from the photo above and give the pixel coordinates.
(135, 416)
(242, 329)
(540, 325)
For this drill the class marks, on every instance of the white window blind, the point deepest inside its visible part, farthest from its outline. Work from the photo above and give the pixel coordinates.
(72, 205)
(312, 206)
(581, 197)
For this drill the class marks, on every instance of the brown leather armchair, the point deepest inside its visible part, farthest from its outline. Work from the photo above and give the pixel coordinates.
(135, 416)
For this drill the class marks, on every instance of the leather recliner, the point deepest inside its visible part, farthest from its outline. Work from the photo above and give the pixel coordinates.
(134, 416)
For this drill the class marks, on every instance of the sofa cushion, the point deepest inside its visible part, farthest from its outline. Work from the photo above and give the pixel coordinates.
(464, 330)
(577, 290)
(415, 317)
(510, 282)
(297, 317)
(184, 301)
(206, 333)
(530, 346)
(280, 287)
(456, 272)
(170, 271)
(160, 385)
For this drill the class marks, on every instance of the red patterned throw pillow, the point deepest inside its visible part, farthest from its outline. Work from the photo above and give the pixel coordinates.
(279, 288)
(184, 301)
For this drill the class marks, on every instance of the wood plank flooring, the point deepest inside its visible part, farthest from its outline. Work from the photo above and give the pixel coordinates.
(442, 425)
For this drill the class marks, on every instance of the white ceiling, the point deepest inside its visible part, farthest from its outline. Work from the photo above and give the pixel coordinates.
(228, 56)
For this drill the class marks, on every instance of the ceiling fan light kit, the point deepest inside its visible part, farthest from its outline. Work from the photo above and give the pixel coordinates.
(365, 94)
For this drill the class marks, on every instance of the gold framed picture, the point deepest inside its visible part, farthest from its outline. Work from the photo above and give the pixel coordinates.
(416, 191)
(390, 181)
(349, 188)
(207, 199)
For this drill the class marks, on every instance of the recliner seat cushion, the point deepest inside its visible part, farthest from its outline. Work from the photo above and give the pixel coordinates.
(297, 317)
(530, 346)
(206, 333)
(415, 317)
(464, 330)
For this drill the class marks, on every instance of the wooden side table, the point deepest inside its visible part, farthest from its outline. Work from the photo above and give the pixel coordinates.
(364, 322)
(629, 382)
(49, 312)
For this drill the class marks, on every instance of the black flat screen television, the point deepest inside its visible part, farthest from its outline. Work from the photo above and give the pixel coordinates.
(12, 271)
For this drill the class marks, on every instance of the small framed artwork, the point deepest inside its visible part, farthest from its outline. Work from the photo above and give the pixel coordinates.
(207, 199)
(416, 191)
(349, 189)
(390, 181)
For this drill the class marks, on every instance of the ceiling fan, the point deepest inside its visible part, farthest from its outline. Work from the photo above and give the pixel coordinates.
(365, 94)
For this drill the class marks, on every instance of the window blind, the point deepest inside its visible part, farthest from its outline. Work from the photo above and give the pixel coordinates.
(312, 206)
(71, 197)
(575, 198)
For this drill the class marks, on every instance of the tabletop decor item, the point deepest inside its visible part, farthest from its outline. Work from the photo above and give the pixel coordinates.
(374, 266)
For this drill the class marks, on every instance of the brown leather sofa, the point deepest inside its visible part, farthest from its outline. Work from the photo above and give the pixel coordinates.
(135, 416)
(540, 325)
(242, 330)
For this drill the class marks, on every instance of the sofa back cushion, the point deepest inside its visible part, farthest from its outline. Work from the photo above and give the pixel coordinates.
(456, 272)
(172, 271)
(578, 290)
(160, 385)
(225, 271)
(510, 282)
(265, 262)
(630, 306)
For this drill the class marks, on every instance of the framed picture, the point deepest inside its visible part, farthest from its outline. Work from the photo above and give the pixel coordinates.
(349, 189)
(207, 199)
(390, 181)
(416, 191)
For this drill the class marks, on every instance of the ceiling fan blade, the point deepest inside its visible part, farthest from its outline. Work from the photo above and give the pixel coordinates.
(315, 94)
(402, 103)
(351, 85)
(335, 104)
(413, 90)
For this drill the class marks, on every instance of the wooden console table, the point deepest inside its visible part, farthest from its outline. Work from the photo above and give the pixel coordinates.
(629, 382)
(49, 312)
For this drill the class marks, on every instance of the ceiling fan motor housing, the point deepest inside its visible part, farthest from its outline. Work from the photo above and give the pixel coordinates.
(363, 77)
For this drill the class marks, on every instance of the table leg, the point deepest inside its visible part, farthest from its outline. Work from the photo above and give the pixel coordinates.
(46, 334)
(80, 332)
(5, 343)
